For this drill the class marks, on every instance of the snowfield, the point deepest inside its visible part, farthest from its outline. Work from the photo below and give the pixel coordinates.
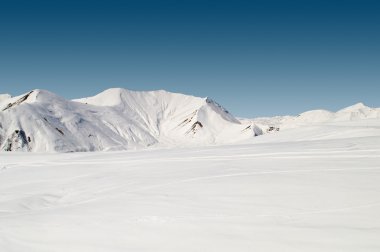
(314, 187)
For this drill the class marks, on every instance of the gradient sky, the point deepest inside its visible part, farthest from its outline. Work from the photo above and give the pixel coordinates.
(256, 58)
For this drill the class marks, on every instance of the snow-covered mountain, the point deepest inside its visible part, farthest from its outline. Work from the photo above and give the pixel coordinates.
(355, 112)
(120, 119)
(116, 119)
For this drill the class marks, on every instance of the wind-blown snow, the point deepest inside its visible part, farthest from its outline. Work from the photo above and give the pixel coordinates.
(312, 188)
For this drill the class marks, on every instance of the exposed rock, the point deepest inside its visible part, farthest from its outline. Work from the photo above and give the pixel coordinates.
(17, 141)
(197, 125)
(60, 131)
(19, 101)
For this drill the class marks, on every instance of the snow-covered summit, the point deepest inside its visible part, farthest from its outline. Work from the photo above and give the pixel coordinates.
(355, 112)
(4, 97)
(354, 108)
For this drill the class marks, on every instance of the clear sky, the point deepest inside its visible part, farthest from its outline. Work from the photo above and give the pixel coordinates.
(256, 58)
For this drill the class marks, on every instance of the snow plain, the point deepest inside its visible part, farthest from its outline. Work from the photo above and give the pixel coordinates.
(314, 188)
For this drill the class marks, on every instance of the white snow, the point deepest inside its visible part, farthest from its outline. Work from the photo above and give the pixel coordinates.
(4, 97)
(317, 117)
(314, 188)
(288, 183)
(116, 119)
(120, 119)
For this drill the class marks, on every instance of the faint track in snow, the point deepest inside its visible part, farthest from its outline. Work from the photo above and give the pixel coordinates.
(196, 179)
(323, 211)
(279, 155)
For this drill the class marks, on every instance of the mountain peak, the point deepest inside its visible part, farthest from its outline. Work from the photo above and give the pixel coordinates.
(354, 108)
(117, 119)
(4, 97)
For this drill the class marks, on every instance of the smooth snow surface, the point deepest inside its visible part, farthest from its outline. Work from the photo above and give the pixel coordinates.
(315, 188)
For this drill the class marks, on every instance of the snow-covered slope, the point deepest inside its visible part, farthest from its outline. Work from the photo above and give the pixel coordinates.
(116, 119)
(170, 117)
(356, 112)
(320, 196)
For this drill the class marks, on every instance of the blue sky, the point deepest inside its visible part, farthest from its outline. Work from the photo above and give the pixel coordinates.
(256, 58)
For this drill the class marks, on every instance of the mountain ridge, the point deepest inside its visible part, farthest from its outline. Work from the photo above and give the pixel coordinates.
(116, 119)
(121, 119)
